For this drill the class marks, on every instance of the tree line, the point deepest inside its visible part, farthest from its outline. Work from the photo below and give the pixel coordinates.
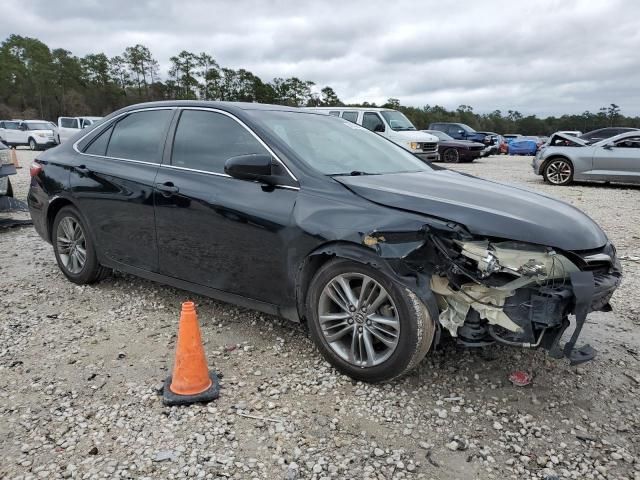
(39, 82)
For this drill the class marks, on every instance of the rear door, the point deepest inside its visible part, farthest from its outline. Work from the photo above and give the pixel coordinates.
(112, 181)
(620, 162)
(215, 230)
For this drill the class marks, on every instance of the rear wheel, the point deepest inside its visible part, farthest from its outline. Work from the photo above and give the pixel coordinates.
(74, 249)
(450, 155)
(558, 171)
(365, 324)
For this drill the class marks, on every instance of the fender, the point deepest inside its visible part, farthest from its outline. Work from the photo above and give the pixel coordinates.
(417, 282)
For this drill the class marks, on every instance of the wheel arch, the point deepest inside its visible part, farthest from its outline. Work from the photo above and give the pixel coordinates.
(418, 283)
(57, 204)
(556, 156)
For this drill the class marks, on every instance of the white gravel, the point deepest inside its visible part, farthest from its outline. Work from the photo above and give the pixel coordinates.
(80, 369)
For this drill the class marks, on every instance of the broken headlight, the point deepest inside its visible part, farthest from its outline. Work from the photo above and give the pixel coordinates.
(516, 258)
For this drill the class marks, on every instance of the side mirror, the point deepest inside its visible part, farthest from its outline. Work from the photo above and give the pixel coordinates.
(255, 167)
(607, 146)
(378, 128)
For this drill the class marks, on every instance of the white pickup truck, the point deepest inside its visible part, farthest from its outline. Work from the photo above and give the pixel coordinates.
(68, 126)
(37, 134)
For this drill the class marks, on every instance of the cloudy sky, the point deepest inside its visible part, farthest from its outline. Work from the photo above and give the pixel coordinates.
(536, 56)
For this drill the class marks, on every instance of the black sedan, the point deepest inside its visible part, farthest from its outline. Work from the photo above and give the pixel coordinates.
(319, 220)
(455, 151)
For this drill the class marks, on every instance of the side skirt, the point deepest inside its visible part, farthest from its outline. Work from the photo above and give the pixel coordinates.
(216, 294)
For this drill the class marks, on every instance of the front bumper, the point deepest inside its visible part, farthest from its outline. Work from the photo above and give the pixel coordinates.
(428, 157)
(531, 310)
(469, 155)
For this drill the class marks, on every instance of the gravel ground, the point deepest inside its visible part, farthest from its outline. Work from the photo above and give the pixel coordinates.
(80, 369)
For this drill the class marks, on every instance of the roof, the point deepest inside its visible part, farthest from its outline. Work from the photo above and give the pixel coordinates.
(211, 104)
(352, 109)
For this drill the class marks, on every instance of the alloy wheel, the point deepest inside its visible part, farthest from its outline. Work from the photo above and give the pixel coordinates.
(71, 243)
(32, 144)
(359, 319)
(559, 172)
(451, 156)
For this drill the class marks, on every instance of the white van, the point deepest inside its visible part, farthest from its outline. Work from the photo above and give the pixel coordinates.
(391, 124)
(68, 126)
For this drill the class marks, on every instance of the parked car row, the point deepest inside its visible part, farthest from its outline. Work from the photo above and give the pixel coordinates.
(42, 134)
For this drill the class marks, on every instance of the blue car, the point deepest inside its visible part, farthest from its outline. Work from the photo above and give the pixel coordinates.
(523, 146)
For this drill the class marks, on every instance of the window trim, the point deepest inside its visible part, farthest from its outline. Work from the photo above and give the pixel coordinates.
(172, 130)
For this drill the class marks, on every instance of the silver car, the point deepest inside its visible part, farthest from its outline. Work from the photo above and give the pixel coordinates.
(565, 158)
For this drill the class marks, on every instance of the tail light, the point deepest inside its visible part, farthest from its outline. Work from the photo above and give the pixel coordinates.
(35, 168)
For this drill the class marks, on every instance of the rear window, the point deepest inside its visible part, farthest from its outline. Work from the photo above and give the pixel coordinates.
(140, 136)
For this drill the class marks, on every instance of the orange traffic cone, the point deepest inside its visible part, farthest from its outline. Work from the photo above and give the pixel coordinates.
(191, 381)
(14, 158)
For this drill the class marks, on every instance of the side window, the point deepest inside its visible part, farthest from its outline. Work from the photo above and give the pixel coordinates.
(140, 136)
(351, 116)
(629, 142)
(99, 145)
(11, 126)
(371, 121)
(335, 113)
(69, 122)
(206, 140)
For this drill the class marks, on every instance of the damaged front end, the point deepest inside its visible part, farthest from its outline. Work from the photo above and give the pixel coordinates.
(509, 292)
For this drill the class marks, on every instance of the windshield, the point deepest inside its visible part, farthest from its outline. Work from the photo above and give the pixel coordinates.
(439, 134)
(397, 121)
(334, 146)
(38, 126)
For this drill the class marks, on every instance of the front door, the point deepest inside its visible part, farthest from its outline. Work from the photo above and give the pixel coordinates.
(112, 182)
(215, 230)
(620, 162)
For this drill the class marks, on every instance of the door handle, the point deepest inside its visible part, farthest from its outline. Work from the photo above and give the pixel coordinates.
(167, 188)
(83, 169)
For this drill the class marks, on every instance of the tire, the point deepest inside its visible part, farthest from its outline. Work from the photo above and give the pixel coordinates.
(85, 273)
(558, 171)
(412, 338)
(451, 155)
(33, 145)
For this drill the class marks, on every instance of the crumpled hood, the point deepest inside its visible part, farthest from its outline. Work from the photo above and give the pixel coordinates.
(486, 208)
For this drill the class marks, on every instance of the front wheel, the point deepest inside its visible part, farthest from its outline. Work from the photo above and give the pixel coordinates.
(74, 249)
(558, 171)
(32, 144)
(365, 324)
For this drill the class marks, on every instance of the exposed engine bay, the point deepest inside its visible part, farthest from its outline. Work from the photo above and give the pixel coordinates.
(511, 292)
